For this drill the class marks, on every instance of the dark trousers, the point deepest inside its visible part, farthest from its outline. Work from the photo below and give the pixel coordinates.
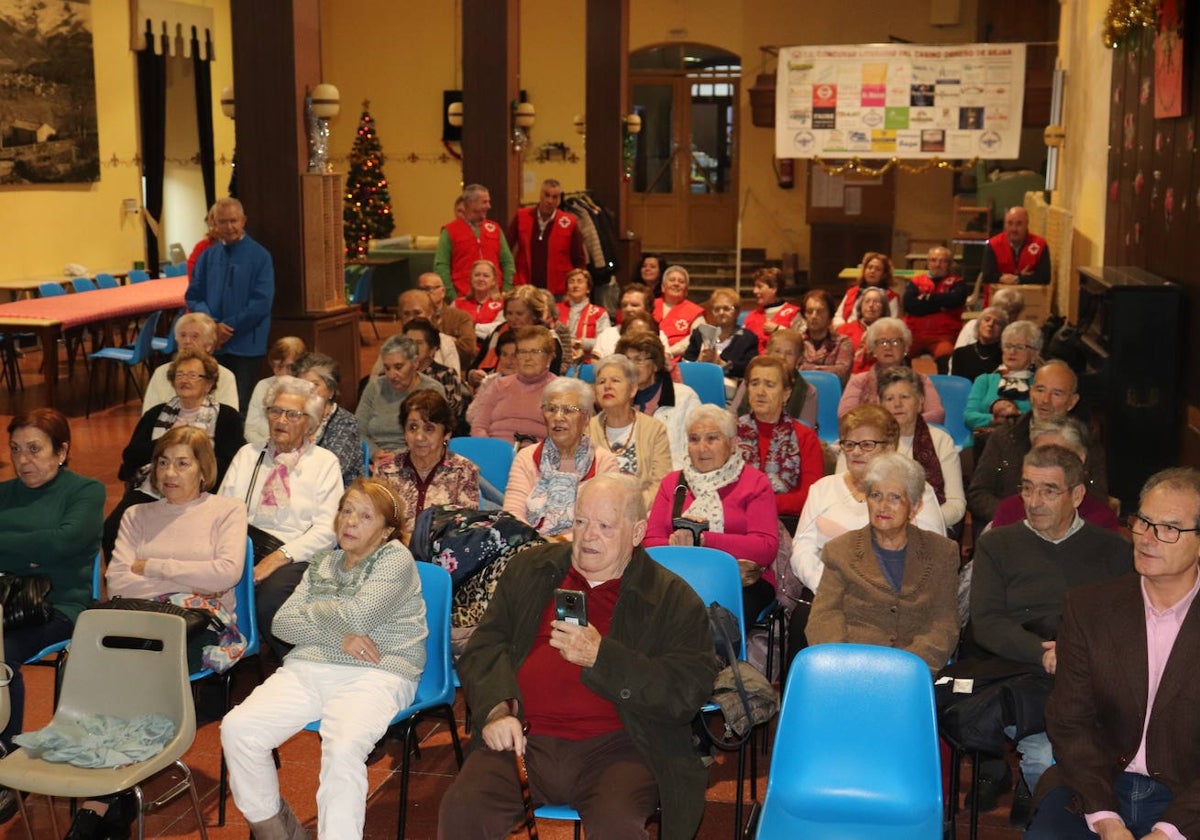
(755, 598)
(247, 371)
(603, 778)
(19, 645)
(269, 595)
(1140, 802)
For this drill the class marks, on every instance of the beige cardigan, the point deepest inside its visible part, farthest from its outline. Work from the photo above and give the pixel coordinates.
(653, 450)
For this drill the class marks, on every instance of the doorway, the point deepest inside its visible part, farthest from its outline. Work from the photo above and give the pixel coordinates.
(684, 189)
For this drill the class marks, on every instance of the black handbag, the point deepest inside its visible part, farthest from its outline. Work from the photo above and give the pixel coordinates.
(197, 621)
(262, 542)
(26, 600)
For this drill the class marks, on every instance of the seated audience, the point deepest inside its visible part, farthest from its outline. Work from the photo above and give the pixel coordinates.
(524, 306)
(1002, 396)
(876, 272)
(771, 311)
(1006, 298)
(414, 305)
(667, 401)
(584, 319)
(511, 405)
(545, 479)
(649, 272)
(933, 307)
(890, 583)
(972, 360)
(734, 502)
(801, 401)
(1015, 255)
(378, 408)
(733, 347)
(450, 320)
(193, 331)
(282, 357)
(423, 334)
(888, 341)
(338, 431)
(634, 298)
(823, 348)
(506, 364)
(870, 307)
(676, 315)
(638, 440)
(485, 304)
(357, 620)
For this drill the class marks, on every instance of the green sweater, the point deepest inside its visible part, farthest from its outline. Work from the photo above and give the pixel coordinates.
(53, 529)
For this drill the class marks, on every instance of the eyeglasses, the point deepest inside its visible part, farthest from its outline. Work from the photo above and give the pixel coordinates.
(1015, 348)
(889, 342)
(537, 352)
(189, 376)
(864, 445)
(564, 410)
(1049, 492)
(1164, 533)
(637, 360)
(878, 496)
(275, 412)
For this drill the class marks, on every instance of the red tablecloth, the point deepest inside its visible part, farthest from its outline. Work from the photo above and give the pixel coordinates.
(76, 309)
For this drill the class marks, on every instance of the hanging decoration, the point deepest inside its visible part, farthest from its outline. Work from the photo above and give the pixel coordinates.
(1127, 19)
(856, 166)
(367, 208)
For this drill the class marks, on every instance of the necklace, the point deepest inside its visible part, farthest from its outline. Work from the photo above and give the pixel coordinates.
(983, 357)
(618, 448)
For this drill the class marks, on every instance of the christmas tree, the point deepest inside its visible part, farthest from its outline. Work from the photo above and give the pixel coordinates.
(367, 213)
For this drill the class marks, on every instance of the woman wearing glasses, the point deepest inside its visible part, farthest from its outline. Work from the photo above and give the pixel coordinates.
(510, 406)
(194, 374)
(378, 410)
(888, 341)
(544, 479)
(1002, 396)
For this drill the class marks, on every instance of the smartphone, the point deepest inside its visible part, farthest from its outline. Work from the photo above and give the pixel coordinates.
(571, 605)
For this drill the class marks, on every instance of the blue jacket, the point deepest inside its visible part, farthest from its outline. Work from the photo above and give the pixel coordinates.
(235, 284)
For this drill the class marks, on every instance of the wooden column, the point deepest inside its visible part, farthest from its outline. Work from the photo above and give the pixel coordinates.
(607, 101)
(491, 47)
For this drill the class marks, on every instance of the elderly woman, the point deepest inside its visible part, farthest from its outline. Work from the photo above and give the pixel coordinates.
(338, 431)
(1008, 299)
(50, 519)
(1002, 396)
(732, 348)
(193, 331)
(282, 357)
(357, 621)
(784, 449)
(583, 318)
(972, 360)
(638, 440)
(485, 304)
(429, 473)
(657, 395)
(890, 583)
(801, 401)
(733, 502)
(887, 341)
(545, 479)
(510, 406)
(524, 306)
(824, 349)
(869, 308)
(290, 488)
(195, 374)
(676, 315)
(771, 312)
(876, 273)
(378, 408)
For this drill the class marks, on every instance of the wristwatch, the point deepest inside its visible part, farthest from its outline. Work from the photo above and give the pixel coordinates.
(287, 554)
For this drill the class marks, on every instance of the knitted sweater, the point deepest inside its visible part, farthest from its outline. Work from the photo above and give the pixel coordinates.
(509, 406)
(378, 412)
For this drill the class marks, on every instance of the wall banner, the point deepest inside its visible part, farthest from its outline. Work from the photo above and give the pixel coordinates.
(900, 101)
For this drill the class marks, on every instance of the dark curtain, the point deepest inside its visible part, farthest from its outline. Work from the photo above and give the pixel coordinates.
(204, 115)
(152, 105)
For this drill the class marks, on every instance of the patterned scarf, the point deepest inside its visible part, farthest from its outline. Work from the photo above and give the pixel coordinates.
(706, 505)
(782, 465)
(277, 490)
(168, 418)
(550, 507)
(1014, 384)
(925, 455)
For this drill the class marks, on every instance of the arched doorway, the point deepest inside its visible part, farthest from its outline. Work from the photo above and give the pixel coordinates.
(684, 190)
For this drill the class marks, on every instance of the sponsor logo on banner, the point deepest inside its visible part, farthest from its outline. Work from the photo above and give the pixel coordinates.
(859, 141)
(895, 117)
(824, 96)
(804, 140)
(907, 142)
(874, 96)
(883, 141)
(989, 141)
(872, 118)
(835, 141)
(933, 140)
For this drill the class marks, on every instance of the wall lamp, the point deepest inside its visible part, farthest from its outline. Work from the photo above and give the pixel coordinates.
(321, 104)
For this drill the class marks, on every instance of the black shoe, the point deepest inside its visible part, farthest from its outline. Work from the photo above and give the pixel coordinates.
(87, 825)
(990, 790)
(1022, 806)
(8, 804)
(121, 813)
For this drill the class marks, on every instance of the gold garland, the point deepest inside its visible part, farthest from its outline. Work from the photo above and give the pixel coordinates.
(1126, 19)
(857, 167)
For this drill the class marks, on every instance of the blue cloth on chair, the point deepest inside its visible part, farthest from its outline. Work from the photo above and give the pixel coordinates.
(100, 740)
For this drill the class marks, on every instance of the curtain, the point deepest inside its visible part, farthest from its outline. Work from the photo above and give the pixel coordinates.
(204, 115)
(152, 105)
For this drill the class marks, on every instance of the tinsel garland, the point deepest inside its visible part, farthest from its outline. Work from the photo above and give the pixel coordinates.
(1126, 19)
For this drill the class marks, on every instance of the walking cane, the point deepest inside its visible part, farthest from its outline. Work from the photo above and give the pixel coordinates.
(526, 796)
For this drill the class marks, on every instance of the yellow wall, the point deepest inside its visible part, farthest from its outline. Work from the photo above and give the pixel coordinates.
(46, 226)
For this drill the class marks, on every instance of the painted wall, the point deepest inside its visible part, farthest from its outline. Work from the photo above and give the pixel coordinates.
(47, 226)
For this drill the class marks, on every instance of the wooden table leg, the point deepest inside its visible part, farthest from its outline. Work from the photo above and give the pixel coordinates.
(49, 336)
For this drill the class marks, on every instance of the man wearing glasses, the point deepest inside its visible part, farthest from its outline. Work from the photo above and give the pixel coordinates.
(1021, 577)
(1123, 712)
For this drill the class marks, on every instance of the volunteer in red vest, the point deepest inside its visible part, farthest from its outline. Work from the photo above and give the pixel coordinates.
(546, 242)
(676, 315)
(583, 318)
(468, 239)
(933, 307)
(772, 312)
(1016, 255)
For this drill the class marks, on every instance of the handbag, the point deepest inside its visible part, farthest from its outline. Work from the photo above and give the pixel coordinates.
(197, 621)
(25, 599)
(745, 696)
(262, 542)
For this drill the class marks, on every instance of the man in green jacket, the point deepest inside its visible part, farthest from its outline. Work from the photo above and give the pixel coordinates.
(607, 705)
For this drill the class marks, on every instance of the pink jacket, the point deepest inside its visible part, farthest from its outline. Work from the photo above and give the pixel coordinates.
(511, 406)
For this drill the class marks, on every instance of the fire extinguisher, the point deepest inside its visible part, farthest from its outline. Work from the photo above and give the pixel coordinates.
(785, 172)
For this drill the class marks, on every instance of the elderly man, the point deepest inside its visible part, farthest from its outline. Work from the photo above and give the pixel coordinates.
(933, 307)
(468, 238)
(1021, 576)
(607, 706)
(450, 320)
(1015, 255)
(193, 331)
(415, 304)
(1123, 712)
(998, 473)
(546, 242)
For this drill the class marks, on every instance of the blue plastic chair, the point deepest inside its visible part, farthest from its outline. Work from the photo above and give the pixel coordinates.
(706, 379)
(106, 281)
(128, 357)
(862, 762)
(366, 451)
(59, 650)
(829, 394)
(587, 373)
(174, 269)
(50, 289)
(362, 296)
(493, 457)
(138, 275)
(166, 345)
(435, 692)
(82, 284)
(954, 391)
(742, 316)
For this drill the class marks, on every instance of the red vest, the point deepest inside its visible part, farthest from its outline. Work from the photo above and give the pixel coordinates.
(586, 328)
(466, 250)
(558, 249)
(483, 313)
(757, 319)
(1033, 250)
(948, 322)
(678, 322)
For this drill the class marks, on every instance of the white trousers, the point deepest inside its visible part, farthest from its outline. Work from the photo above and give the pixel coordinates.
(354, 705)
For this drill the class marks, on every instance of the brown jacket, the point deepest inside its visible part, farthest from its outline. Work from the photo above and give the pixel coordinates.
(854, 602)
(1098, 707)
(460, 326)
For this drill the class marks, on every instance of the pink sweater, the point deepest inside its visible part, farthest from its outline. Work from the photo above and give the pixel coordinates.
(509, 406)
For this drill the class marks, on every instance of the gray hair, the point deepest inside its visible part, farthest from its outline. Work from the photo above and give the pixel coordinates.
(1052, 457)
(716, 415)
(314, 403)
(1070, 429)
(226, 201)
(576, 389)
(900, 373)
(619, 361)
(399, 343)
(1010, 300)
(888, 324)
(1177, 479)
(892, 466)
(677, 269)
(871, 291)
(324, 367)
(1025, 332)
(998, 312)
(472, 192)
(198, 319)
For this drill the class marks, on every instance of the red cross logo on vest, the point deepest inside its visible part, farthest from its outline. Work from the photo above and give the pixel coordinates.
(681, 325)
(564, 222)
(490, 227)
(1034, 249)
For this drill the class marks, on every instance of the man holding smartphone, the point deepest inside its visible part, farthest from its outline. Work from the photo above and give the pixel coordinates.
(599, 703)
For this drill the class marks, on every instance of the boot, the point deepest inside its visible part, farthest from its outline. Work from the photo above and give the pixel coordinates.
(282, 826)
